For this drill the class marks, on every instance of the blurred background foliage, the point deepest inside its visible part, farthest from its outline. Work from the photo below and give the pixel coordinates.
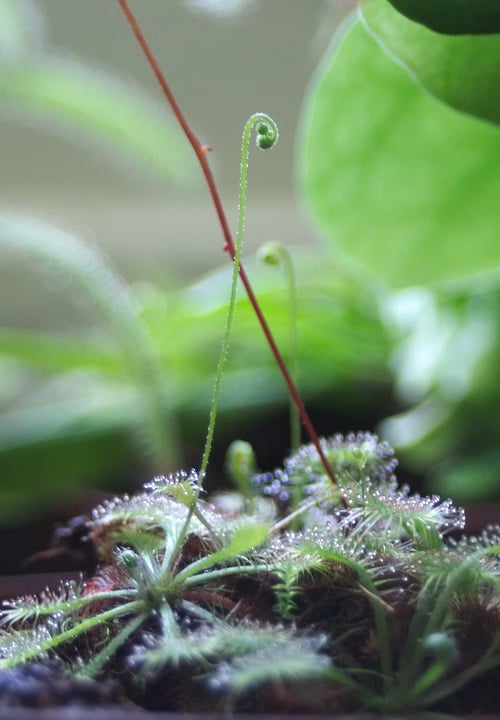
(385, 195)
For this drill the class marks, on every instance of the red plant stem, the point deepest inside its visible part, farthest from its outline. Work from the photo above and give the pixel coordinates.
(229, 247)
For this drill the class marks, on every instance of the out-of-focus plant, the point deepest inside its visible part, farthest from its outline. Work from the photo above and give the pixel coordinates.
(405, 189)
(86, 103)
(366, 604)
(70, 403)
(78, 404)
(446, 367)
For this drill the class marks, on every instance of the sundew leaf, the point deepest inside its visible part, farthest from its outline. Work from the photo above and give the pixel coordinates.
(298, 660)
(181, 486)
(183, 492)
(453, 16)
(246, 537)
(405, 188)
(97, 108)
(462, 71)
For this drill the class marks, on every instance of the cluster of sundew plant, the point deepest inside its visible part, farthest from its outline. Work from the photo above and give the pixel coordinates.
(368, 605)
(364, 469)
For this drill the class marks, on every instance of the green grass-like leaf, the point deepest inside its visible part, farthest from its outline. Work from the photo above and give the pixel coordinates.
(92, 275)
(97, 109)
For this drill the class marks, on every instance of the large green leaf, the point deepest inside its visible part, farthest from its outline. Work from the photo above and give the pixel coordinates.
(405, 188)
(453, 16)
(463, 71)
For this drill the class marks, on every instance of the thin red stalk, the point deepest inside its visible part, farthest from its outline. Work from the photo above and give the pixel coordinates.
(201, 153)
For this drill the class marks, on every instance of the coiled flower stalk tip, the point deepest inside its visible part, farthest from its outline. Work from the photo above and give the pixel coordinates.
(267, 131)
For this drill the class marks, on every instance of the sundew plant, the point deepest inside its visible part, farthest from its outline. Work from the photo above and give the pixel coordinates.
(398, 163)
(322, 586)
(313, 596)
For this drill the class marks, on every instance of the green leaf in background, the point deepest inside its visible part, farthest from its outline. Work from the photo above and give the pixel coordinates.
(446, 376)
(403, 187)
(341, 340)
(463, 72)
(69, 404)
(90, 105)
(92, 275)
(453, 16)
(58, 353)
(99, 109)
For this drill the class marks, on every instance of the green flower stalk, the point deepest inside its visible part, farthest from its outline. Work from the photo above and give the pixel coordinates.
(266, 137)
(274, 254)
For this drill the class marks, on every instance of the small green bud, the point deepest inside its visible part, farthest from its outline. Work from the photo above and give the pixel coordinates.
(264, 142)
(272, 253)
(442, 647)
(267, 135)
(241, 465)
(128, 559)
